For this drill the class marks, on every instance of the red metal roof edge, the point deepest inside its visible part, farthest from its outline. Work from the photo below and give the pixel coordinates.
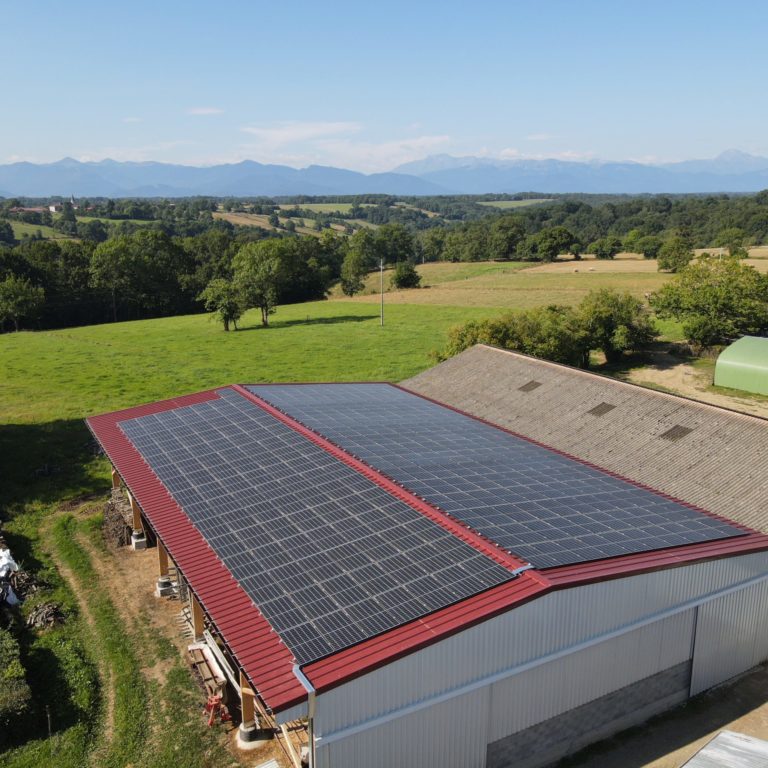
(456, 527)
(378, 651)
(266, 660)
(586, 463)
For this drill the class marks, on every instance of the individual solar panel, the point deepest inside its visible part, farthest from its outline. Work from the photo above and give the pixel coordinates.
(329, 557)
(541, 505)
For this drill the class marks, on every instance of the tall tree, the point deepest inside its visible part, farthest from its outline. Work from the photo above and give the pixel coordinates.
(675, 254)
(257, 276)
(616, 323)
(19, 300)
(717, 300)
(224, 299)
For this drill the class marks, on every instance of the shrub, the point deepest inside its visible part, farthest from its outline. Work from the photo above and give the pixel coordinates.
(405, 275)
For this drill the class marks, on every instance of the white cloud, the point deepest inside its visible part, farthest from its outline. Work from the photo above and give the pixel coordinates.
(280, 134)
(131, 120)
(381, 156)
(199, 111)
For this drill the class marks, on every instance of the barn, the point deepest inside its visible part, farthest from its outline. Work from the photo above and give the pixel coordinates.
(494, 563)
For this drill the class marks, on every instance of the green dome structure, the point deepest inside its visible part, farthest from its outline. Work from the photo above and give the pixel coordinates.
(744, 365)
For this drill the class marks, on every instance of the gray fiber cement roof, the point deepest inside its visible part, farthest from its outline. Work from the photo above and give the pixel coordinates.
(705, 455)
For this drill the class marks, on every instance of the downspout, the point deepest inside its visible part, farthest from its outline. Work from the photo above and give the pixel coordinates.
(310, 689)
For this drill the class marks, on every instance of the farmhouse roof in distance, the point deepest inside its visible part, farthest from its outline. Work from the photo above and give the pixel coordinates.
(710, 456)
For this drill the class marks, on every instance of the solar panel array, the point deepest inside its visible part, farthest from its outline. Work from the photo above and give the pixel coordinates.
(540, 505)
(329, 557)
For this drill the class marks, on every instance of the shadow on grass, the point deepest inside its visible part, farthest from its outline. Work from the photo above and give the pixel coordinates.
(660, 357)
(44, 463)
(311, 321)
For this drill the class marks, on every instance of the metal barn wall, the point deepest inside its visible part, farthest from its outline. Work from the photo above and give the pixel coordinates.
(731, 636)
(543, 692)
(554, 623)
(435, 707)
(449, 734)
(456, 732)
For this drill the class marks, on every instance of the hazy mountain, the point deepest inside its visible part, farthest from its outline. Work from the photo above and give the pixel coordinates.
(732, 171)
(109, 178)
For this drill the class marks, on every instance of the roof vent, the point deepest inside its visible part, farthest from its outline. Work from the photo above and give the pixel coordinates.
(530, 386)
(676, 433)
(601, 409)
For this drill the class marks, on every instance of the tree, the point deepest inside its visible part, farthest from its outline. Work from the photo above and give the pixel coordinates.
(19, 300)
(733, 239)
(353, 272)
(717, 301)
(363, 245)
(6, 234)
(257, 276)
(552, 333)
(551, 242)
(605, 247)
(649, 246)
(223, 297)
(504, 237)
(405, 275)
(615, 323)
(394, 243)
(675, 254)
(67, 222)
(112, 268)
(432, 243)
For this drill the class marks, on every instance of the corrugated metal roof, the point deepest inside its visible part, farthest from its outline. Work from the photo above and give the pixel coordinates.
(258, 648)
(264, 657)
(720, 465)
(731, 750)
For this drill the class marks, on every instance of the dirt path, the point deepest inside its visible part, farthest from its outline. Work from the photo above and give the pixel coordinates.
(684, 379)
(106, 725)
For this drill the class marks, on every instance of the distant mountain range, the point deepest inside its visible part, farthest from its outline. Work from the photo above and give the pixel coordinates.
(732, 171)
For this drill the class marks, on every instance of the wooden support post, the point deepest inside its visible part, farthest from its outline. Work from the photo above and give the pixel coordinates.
(115, 478)
(136, 510)
(248, 702)
(198, 618)
(162, 560)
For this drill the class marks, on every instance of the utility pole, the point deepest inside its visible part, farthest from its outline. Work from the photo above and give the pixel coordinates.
(381, 268)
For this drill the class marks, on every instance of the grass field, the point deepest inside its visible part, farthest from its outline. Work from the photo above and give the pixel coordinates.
(516, 284)
(260, 220)
(22, 229)
(320, 207)
(507, 204)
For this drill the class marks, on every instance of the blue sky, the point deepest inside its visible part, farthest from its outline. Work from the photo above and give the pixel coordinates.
(371, 85)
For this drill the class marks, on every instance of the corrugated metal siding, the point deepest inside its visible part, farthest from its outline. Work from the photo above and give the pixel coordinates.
(551, 689)
(720, 466)
(732, 636)
(551, 623)
(450, 735)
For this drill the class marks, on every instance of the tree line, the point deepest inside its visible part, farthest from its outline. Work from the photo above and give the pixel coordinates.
(717, 300)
